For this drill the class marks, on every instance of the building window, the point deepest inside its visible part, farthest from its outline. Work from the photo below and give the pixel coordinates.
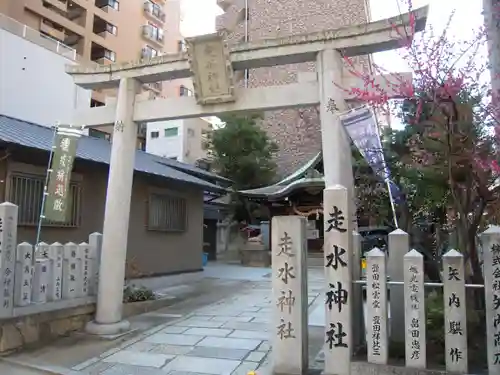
(155, 31)
(184, 91)
(149, 52)
(112, 29)
(110, 55)
(26, 191)
(155, 134)
(181, 46)
(107, 3)
(114, 4)
(95, 103)
(190, 132)
(98, 134)
(167, 213)
(171, 132)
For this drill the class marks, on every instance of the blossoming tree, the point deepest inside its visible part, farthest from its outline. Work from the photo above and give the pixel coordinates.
(451, 136)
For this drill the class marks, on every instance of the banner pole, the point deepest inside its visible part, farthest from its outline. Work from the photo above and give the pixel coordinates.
(391, 199)
(45, 193)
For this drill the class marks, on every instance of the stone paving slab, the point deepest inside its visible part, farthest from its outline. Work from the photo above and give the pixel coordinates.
(171, 349)
(216, 332)
(215, 366)
(230, 343)
(173, 338)
(129, 357)
(258, 335)
(210, 352)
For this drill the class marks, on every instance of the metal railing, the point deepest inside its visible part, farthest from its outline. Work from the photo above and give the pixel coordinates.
(44, 41)
(38, 38)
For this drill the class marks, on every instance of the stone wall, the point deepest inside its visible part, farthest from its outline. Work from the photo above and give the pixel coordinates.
(33, 327)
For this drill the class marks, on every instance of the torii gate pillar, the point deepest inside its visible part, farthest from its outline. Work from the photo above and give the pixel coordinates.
(108, 318)
(337, 161)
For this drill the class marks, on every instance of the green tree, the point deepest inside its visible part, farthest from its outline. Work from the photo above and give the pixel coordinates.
(243, 152)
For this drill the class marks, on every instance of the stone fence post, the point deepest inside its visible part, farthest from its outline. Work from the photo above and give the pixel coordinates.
(56, 253)
(414, 304)
(23, 274)
(95, 242)
(8, 241)
(338, 250)
(490, 240)
(376, 307)
(455, 316)
(289, 265)
(399, 245)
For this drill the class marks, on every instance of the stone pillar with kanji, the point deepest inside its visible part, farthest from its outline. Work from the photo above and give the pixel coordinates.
(455, 312)
(289, 265)
(338, 251)
(490, 240)
(8, 238)
(414, 302)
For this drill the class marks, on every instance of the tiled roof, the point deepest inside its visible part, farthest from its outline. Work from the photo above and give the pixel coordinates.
(99, 150)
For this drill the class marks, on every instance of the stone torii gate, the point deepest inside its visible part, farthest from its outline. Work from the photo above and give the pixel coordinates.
(212, 64)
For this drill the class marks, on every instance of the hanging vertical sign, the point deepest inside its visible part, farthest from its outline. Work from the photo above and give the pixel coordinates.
(361, 125)
(64, 151)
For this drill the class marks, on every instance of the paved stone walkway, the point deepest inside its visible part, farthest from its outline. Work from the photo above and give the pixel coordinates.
(230, 337)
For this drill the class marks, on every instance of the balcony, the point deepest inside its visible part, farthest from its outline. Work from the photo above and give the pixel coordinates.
(102, 55)
(61, 5)
(51, 30)
(154, 11)
(103, 28)
(108, 5)
(76, 13)
(224, 4)
(153, 34)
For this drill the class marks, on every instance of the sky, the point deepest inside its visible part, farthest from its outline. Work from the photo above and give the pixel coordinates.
(199, 15)
(199, 18)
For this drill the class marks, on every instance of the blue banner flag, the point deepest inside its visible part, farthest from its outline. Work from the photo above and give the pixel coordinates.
(361, 125)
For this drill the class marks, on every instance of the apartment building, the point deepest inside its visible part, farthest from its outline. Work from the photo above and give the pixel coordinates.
(298, 137)
(181, 140)
(107, 31)
(34, 86)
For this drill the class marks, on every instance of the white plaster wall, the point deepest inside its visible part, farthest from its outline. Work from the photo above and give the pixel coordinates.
(33, 84)
(166, 146)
